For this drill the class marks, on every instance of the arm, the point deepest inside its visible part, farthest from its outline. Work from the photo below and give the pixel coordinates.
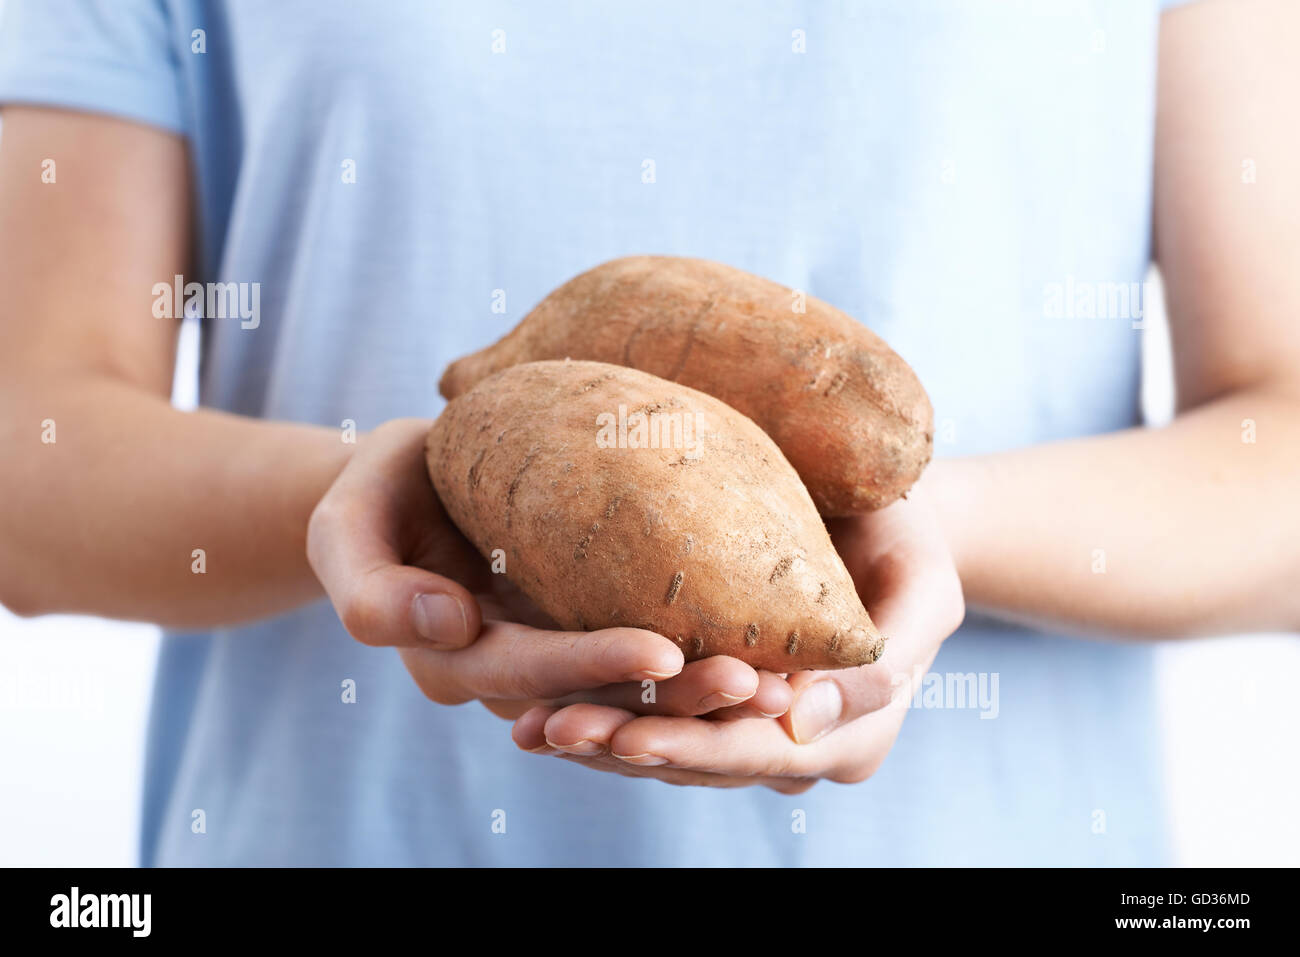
(1200, 529)
(104, 519)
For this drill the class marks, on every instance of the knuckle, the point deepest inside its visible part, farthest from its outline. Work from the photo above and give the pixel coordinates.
(598, 656)
(589, 661)
(508, 676)
(849, 776)
(855, 772)
(524, 686)
(790, 764)
(360, 618)
(435, 683)
(440, 693)
(794, 786)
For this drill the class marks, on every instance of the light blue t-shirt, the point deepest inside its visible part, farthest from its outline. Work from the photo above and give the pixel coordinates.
(953, 174)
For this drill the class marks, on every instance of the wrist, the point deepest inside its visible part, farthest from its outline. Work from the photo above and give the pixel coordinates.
(953, 489)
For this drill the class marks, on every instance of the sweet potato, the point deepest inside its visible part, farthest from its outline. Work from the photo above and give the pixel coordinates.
(846, 410)
(686, 519)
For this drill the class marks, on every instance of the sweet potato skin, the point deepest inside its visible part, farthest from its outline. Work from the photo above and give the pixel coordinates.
(714, 544)
(846, 410)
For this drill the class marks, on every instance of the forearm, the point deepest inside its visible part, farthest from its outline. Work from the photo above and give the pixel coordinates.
(1182, 530)
(110, 518)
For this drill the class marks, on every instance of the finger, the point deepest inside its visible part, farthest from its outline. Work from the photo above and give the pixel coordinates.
(529, 731)
(744, 748)
(753, 748)
(403, 606)
(515, 661)
(771, 700)
(680, 778)
(510, 709)
(584, 729)
(379, 600)
(702, 686)
(826, 700)
(541, 729)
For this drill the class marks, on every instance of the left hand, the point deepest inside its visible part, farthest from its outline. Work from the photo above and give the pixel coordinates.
(841, 724)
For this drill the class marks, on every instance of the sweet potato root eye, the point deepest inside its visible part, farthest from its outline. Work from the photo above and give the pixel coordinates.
(728, 556)
(675, 587)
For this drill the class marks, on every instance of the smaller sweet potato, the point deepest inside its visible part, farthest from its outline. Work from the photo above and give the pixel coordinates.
(847, 411)
(619, 498)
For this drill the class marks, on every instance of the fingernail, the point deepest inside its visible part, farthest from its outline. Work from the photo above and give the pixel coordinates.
(720, 699)
(645, 760)
(583, 747)
(816, 711)
(541, 749)
(439, 619)
(647, 675)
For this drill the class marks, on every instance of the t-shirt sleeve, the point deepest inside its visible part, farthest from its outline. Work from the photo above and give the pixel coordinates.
(105, 56)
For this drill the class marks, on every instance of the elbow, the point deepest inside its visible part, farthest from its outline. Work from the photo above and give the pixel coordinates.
(17, 594)
(19, 603)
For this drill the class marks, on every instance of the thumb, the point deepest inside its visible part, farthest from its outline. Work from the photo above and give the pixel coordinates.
(825, 700)
(404, 606)
(916, 625)
(381, 601)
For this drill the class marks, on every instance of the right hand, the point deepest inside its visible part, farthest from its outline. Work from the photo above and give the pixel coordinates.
(400, 574)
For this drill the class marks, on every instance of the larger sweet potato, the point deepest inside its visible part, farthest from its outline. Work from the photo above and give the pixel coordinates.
(846, 410)
(704, 534)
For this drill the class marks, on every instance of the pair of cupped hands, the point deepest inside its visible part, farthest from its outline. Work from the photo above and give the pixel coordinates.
(400, 574)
